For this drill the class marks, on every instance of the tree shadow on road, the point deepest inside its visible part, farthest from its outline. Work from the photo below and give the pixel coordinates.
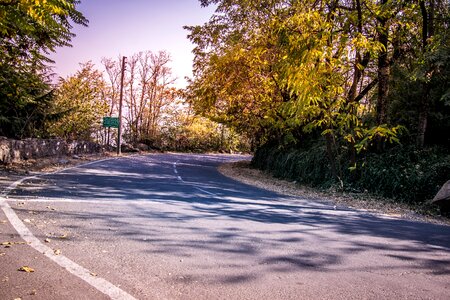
(239, 226)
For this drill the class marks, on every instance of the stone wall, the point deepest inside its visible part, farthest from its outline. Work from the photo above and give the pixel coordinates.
(17, 150)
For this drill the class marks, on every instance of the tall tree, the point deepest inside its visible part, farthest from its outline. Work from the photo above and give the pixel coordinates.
(147, 89)
(434, 18)
(113, 72)
(81, 102)
(28, 31)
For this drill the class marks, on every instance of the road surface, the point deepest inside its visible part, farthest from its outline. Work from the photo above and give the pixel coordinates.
(169, 226)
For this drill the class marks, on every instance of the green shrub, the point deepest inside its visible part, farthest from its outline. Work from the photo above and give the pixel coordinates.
(402, 173)
(304, 166)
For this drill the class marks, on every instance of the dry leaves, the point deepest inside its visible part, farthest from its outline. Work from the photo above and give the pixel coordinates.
(26, 269)
(10, 244)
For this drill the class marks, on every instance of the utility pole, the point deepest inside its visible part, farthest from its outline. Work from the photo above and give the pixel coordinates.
(119, 136)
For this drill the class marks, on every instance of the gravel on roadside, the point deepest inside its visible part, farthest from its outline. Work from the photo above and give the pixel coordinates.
(243, 172)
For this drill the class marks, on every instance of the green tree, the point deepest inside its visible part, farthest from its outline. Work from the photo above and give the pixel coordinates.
(286, 70)
(235, 80)
(28, 31)
(80, 104)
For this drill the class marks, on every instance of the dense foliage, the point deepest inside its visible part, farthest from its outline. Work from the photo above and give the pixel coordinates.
(406, 174)
(30, 106)
(332, 83)
(28, 31)
(79, 105)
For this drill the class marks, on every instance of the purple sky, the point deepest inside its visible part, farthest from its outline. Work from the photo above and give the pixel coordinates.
(119, 27)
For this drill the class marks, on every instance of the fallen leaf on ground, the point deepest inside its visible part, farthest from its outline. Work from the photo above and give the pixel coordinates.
(26, 269)
(57, 252)
(2, 253)
(93, 274)
(33, 293)
(47, 240)
(10, 244)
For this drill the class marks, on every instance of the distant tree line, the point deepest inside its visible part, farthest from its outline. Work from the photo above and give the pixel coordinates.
(32, 106)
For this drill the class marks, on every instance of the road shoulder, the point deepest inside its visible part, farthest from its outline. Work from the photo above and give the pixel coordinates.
(243, 172)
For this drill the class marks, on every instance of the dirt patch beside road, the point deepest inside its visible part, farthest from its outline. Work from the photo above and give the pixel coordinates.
(243, 172)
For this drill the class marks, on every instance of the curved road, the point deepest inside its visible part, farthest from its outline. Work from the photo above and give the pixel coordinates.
(169, 226)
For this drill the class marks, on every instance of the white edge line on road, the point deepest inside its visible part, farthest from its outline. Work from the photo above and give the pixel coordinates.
(99, 283)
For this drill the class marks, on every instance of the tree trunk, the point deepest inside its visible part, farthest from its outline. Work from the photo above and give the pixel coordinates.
(383, 75)
(423, 116)
(330, 153)
(424, 105)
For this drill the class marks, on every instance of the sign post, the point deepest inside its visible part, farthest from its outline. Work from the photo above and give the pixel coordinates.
(119, 138)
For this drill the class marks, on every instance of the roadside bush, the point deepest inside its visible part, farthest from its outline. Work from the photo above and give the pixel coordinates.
(309, 166)
(401, 173)
(404, 173)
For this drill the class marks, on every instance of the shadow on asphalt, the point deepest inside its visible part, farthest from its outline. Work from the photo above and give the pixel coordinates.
(287, 222)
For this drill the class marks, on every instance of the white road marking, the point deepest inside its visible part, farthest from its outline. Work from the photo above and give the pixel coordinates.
(202, 190)
(99, 283)
(193, 185)
(68, 200)
(14, 185)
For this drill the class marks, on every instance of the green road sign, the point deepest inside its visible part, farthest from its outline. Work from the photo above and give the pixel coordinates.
(111, 122)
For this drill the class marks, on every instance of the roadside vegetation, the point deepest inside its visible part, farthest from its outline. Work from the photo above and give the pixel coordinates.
(351, 95)
(155, 113)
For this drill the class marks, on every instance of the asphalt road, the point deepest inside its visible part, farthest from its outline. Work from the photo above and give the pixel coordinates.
(169, 226)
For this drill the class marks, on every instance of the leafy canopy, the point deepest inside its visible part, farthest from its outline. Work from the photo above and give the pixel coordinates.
(29, 30)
